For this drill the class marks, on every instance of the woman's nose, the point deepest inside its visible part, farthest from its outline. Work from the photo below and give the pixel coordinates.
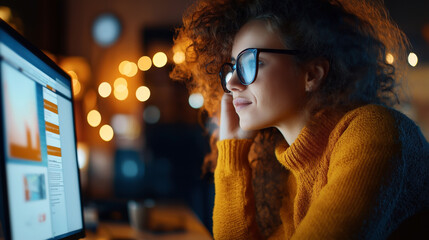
(234, 83)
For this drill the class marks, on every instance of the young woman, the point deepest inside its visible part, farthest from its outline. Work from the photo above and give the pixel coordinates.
(313, 77)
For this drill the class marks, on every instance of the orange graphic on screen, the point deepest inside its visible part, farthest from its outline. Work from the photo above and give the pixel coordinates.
(50, 88)
(22, 125)
(50, 127)
(54, 151)
(50, 106)
(28, 151)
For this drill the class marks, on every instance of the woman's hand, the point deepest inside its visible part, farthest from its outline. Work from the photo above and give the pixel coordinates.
(229, 122)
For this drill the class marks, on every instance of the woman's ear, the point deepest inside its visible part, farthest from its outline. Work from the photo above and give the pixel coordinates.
(316, 72)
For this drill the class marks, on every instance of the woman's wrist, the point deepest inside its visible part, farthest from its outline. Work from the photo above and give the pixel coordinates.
(233, 155)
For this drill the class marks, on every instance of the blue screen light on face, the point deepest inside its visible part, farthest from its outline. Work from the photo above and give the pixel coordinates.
(247, 63)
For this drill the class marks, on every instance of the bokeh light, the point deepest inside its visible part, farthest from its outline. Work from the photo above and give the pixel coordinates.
(151, 114)
(106, 133)
(143, 93)
(5, 13)
(82, 154)
(76, 87)
(120, 123)
(121, 94)
(196, 100)
(133, 70)
(179, 57)
(94, 118)
(389, 58)
(104, 89)
(144, 63)
(120, 89)
(120, 84)
(122, 67)
(72, 74)
(126, 126)
(413, 59)
(76, 66)
(128, 68)
(129, 168)
(159, 59)
(75, 82)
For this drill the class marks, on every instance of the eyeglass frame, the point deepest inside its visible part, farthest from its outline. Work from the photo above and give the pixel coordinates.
(258, 50)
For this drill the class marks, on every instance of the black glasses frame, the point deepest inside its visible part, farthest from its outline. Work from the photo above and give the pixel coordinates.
(255, 52)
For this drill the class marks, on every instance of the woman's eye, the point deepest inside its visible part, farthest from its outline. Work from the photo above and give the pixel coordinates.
(260, 63)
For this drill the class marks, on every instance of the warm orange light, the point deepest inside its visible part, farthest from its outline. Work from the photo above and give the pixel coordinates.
(144, 63)
(78, 65)
(94, 118)
(76, 87)
(128, 68)
(76, 84)
(5, 13)
(143, 93)
(104, 89)
(389, 58)
(122, 67)
(121, 95)
(72, 74)
(413, 59)
(106, 133)
(159, 59)
(133, 69)
(120, 84)
(90, 99)
(179, 57)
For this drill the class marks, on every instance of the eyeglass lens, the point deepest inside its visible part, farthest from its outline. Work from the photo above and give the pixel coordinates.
(246, 65)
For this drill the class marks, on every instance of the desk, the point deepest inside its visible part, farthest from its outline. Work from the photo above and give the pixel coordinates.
(182, 223)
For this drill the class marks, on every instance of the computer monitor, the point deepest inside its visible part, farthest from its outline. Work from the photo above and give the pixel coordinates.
(40, 186)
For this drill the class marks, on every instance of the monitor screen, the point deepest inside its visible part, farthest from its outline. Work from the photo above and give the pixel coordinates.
(39, 171)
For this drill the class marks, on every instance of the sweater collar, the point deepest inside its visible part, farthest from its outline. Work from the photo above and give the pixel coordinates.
(310, 143)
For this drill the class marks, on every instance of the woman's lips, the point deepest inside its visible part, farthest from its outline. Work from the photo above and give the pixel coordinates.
(240, 103)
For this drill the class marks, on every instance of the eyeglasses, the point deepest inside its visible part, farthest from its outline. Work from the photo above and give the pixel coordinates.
(247, 65)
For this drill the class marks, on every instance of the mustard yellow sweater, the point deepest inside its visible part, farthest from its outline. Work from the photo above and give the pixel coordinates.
(357, 175)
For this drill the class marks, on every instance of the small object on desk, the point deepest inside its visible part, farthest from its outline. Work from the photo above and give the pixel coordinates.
(139, 213)
(90, 215)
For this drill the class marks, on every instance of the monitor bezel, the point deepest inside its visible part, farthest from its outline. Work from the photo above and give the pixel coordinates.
(76, 234)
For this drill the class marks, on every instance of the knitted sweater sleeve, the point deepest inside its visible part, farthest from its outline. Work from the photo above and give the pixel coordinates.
(363, 182)
(234, 208)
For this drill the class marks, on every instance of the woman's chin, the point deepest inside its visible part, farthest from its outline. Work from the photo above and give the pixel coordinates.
(246, 126)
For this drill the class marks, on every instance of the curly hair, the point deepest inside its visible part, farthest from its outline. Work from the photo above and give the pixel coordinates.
(355, 36)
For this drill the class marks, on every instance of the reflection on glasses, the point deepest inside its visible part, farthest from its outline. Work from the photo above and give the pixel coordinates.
(247, 65)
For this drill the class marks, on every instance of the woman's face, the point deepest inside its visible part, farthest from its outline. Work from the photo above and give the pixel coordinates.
(277, 95)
